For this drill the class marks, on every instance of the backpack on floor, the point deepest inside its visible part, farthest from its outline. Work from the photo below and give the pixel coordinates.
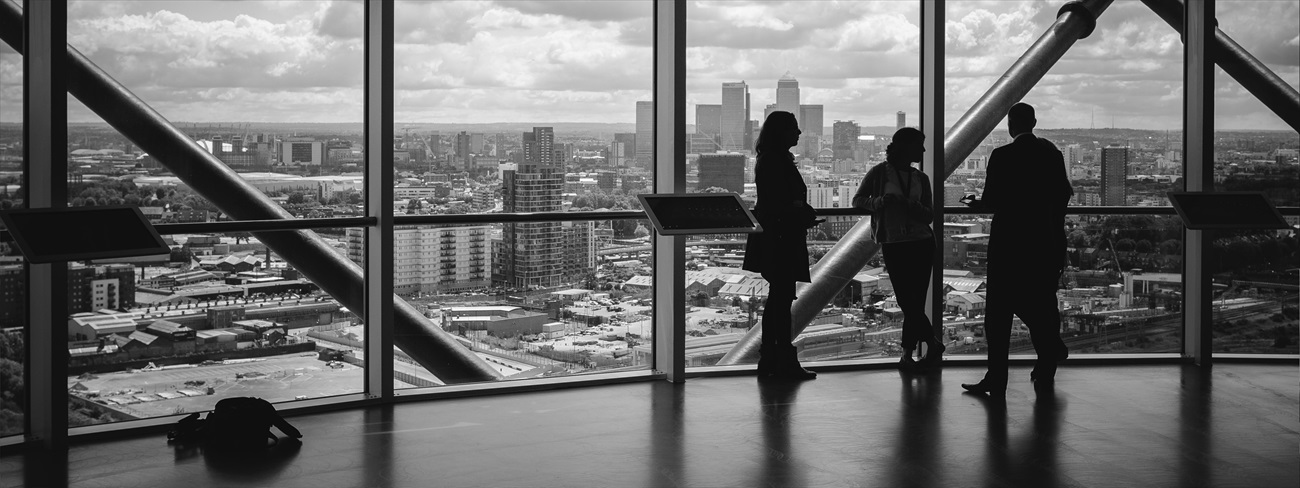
(235, 423)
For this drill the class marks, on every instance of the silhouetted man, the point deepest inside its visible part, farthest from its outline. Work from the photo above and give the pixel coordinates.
(1027, 190)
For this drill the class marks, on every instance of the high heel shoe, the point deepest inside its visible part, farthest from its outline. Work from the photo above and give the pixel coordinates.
(933, 356)
(906, 364)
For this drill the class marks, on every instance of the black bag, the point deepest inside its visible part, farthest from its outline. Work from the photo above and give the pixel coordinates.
(235, 423)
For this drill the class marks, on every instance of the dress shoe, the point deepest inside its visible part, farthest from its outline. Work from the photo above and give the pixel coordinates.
(986, 387)
(1045, 368)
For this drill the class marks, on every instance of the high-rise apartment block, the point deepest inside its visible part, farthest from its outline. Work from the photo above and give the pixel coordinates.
(531, 253)
(433, 259)
(1114, 170)
(735, 127)
(726, 171)
(92, 288)
(645, 133)
(539, 146)
(844, 138)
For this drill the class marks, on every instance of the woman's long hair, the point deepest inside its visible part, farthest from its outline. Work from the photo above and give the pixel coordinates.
(769, 137)
(902, 137)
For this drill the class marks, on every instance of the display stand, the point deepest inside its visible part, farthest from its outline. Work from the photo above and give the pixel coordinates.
(1226, 210)
(49, 235)
(698, 213)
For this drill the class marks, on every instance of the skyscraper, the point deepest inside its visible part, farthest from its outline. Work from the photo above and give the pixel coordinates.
(787, 96)
(1072, 154)
(1114, 169)
(844, 139)
(810, 117)
(531, 253)
(626, 143)
(902, 120)
(464, 150)
(735, 116)
(645, 133)
(708, 119)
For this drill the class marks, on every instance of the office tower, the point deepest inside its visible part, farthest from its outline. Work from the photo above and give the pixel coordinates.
(708, 119)
(810, 122)
(539, 146)
(726, 171)
(623, 149)
(844, 139)
(1114, 169)
(787, 96)
(531, 253)
(1072, 154)
(902, 120)
(645, 133)
(476, 142)
(465, 150)
(702, 144)
(735, 116)
(767, 111)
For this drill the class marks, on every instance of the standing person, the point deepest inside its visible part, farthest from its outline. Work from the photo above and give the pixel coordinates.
(780, 252)
(900, 201)
(1027, 189)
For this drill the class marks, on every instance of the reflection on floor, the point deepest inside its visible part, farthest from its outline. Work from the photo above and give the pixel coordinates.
(1164, 425)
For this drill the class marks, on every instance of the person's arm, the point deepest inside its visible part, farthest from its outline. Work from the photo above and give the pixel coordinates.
(865, 198)
(923, 211)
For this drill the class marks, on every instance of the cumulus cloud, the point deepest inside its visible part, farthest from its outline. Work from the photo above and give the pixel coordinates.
(549, 60)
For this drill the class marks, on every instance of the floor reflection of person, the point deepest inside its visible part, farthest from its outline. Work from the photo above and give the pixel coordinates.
(780, 252)
(901, 205)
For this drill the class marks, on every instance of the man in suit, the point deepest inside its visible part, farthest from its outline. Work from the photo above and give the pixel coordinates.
(1028, 190)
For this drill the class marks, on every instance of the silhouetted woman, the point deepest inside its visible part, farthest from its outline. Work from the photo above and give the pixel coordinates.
(780, 252)
(899, 199)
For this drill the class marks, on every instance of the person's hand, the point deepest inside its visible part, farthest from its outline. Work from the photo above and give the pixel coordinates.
(890, 199)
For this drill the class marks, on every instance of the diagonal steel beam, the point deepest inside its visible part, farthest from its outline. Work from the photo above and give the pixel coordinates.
(420, 338)
(1235, 60)
(1076, 20)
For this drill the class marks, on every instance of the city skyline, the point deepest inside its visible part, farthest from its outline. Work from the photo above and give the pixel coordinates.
(461, 61)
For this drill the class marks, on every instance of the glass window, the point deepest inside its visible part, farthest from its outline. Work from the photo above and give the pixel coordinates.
(13, 280)
(1255, 307)
(849, 74)
(222, 316)
(1111, 105)
(522, 106)
(271, 90)
(596, 318)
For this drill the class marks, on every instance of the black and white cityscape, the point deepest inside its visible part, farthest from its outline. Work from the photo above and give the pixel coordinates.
(224, 315)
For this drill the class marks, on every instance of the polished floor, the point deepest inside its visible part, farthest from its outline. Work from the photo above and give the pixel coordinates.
(1101, 426)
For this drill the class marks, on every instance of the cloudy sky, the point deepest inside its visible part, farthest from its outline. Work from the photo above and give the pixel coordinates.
(555, 61)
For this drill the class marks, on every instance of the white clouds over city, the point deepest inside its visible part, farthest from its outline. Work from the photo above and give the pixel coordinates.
(566, 61)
